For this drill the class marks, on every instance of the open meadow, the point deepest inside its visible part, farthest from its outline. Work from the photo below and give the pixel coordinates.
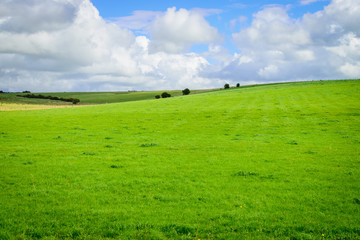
(275, 161)
(86, 98)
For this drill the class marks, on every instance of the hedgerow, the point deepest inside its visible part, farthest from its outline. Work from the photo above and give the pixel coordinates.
(73, 100)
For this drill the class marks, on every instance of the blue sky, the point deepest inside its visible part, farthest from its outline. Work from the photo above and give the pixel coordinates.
(113, 8)
(103, 45)
(227, 11)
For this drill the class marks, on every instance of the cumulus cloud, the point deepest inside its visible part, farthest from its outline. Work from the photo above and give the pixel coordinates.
(27, 16)
(78, 50)
(321, 45)
(177, 31)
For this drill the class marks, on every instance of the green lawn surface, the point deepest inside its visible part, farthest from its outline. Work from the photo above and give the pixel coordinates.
(267, 162)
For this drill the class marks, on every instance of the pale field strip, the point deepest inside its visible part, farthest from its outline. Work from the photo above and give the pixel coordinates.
(19, 107)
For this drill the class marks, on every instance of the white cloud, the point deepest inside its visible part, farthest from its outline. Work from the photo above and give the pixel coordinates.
(29, 16)
(269, 71)
(348, 47)
(177, 31)
(87, 40)
(321, 45)
(87, 53)
(140, 20)
(277, 27)
(351, 70)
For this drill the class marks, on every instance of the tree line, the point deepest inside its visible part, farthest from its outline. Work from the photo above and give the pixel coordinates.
(73, 100)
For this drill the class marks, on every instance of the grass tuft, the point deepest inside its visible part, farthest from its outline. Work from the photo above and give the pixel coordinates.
(89, 153)
(148, 145)
(245, 174)
(116, 166)
(293, 142)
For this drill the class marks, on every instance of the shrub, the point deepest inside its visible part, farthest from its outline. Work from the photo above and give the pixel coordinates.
(75, 101)
(238, 85)
(226, 86)
(186, 91)
(165, 95)
(26, 91)
(157, 96)
(1, 91)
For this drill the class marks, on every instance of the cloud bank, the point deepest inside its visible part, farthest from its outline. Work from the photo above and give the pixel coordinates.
(64, 45)
(276, 47)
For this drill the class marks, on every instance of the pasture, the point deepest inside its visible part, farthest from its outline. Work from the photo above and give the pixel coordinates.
(89, 98)
(275, 161)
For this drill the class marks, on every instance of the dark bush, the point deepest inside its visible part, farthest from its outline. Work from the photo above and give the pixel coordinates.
(157, 96)
(1, 91)
(165, 95)
(226, 86)
(186, 91)
(26, 91)
(73, 100)
(238, 85)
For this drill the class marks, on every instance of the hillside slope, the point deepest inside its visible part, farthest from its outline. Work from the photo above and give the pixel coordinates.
(278, 161)
(87, 98)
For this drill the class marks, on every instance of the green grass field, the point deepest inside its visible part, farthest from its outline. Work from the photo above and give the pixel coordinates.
(267, 162)
(87, 98)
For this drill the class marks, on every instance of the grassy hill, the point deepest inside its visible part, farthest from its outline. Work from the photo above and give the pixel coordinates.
(278, 161)
(87, 98)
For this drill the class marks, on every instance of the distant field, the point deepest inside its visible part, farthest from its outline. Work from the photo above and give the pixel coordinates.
(266, 162)
(23, 106)
(87, 98)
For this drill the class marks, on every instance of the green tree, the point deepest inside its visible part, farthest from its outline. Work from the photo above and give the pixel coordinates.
(186, 91)
(226, 86)
(165, 95)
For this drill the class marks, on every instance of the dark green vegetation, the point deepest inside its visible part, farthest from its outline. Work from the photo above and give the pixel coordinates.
(40, 96)
(186, 91)
(278, 161)
(165, 95)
